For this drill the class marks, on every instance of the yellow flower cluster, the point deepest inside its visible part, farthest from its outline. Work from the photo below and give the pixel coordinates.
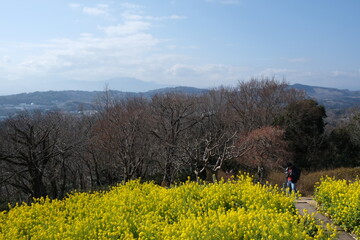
(135, 210)
(341, 200)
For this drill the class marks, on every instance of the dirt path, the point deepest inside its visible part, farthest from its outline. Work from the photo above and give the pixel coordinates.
(310, 205)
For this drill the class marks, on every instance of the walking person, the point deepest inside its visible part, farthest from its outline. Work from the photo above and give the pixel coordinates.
(292, 176)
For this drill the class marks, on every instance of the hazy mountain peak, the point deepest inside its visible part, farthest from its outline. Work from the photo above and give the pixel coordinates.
(125, 84)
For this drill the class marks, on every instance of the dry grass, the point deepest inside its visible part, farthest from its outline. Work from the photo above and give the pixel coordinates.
(308, 180)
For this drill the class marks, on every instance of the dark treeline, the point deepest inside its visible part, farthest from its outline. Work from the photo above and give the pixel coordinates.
(257, 126)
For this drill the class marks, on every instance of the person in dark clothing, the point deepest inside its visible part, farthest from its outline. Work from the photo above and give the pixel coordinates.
(292, 176)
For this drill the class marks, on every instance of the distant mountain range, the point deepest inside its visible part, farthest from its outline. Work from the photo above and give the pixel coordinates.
(61, 84)
(120, 84)
(74, 101)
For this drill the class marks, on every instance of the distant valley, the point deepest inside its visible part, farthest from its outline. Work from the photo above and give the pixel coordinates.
(85, 101)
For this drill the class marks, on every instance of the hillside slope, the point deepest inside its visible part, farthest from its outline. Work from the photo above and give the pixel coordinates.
(331, 98)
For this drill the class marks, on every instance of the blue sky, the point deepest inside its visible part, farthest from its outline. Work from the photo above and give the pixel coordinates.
(200, 43)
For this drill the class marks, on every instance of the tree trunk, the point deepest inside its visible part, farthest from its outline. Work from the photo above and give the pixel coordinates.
(210, 175)
(167, 179)
(38, 187)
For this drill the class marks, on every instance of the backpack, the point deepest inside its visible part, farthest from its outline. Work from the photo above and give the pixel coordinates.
(296, 172)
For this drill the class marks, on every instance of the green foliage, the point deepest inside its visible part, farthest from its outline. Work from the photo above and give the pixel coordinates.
(341, 149)
(343, 144)
(304, 126)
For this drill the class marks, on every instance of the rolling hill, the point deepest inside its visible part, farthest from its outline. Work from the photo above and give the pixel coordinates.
(73, 101)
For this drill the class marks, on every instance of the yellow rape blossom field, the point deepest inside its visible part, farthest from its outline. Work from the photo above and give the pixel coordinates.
(234, 210)
(341, 200)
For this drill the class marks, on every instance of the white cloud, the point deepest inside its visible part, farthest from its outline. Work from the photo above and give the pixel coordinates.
(206, 75)
(95, 11)
(98, 10)
(174, 16)
(6, 59)
(131, 16)
(131, 5)
(128, 27)
(92, 58)
(103, 6)
(171, 47)
(126, 49)
(74, 5)
(277, 71)
(86, 35)
(338, 73)
(182, 70)
(345, 74)
(135, 22)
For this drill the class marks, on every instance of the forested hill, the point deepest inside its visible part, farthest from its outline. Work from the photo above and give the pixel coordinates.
(57, 97)
(73, 100)
(331, 98)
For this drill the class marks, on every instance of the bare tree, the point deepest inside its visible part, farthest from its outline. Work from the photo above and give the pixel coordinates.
(122, 132)
(33, 148)
(173, 116)
(258, 102)
(216, 152)
(211, 143)
(71, 172)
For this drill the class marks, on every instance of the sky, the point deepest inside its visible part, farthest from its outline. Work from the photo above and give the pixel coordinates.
(46, 44)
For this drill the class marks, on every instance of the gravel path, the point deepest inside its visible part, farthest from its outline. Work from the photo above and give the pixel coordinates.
(310, 205)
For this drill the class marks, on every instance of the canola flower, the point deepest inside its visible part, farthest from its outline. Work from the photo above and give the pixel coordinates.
(341, 200)
(135, 210)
